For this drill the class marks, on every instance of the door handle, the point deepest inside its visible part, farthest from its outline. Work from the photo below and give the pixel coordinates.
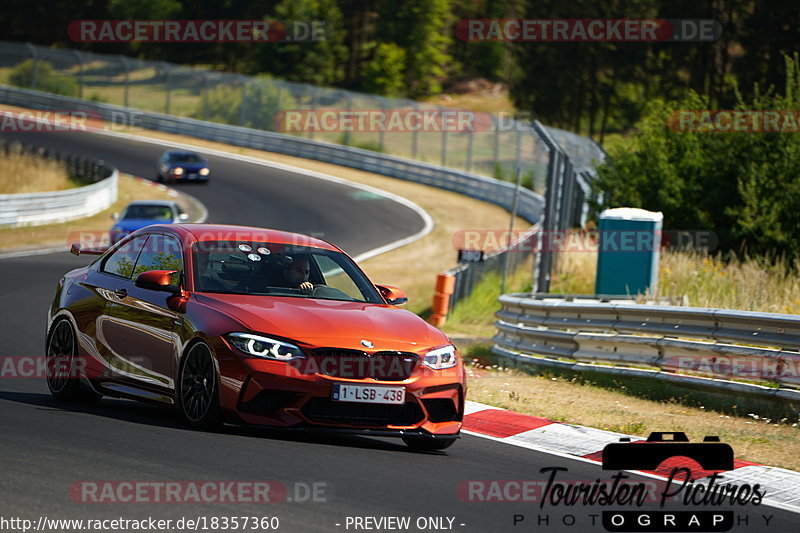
(121, 293)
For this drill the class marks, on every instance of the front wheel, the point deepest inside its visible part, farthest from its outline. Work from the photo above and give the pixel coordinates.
(199, 393)
(62, 366)
(427, 444)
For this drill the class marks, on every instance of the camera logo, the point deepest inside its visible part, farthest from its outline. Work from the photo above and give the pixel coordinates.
(711, 454)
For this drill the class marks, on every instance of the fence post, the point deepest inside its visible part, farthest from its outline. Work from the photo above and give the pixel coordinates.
(279, 99)
(168, 85)
(314, 93)
(80, 73)
(544, 259)
(205, 95)
(382, 132)
(444, 144)
(514, 208)
(414, 136)
(496, 156)
(470, 140)
(34, 64)
(349, 113)
(243, 106)
(124, 62)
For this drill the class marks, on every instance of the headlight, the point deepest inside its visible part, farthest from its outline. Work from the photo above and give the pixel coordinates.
(177, 171)
(204, 172)
(265, 347)
(441, 358)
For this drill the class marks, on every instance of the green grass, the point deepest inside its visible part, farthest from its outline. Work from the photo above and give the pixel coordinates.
(475, 314)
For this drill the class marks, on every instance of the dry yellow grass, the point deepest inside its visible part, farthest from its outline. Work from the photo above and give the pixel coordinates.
(26, 173)
(61, 234)
(487, 100)
(753, 439)
(751, 284)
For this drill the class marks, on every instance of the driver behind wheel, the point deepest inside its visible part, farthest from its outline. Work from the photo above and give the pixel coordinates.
(296, 275)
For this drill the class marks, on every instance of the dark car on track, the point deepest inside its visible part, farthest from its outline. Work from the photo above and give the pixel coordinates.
(252, 326)
(181, 166)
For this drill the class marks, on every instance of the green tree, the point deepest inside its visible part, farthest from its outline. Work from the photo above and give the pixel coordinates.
(46, 78)
(383, 74)
(420, 30)
(263, 99)
(743, 186)
(317, 62)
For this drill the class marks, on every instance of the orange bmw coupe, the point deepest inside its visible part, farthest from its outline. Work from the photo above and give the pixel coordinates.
(254, 326)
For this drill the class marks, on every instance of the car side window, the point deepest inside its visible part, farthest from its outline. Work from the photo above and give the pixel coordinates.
(337, 278)
(162, 252)
(123, 260)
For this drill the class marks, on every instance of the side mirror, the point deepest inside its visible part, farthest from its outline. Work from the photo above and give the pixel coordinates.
(183, 216)
(115, 216)
(76, 249)
(157, 280)
(392, 295)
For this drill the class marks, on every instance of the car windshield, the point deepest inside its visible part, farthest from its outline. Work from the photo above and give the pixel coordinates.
(185, 158)
(274, 269)
(155, 212)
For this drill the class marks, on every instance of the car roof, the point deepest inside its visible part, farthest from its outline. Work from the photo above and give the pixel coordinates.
(161, 203)
(224, 232)
(182, 152)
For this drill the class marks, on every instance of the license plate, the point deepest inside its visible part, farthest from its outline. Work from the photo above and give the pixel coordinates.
(368, 394)
(192, 176)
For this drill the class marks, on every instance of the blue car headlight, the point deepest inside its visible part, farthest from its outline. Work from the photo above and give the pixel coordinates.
(260, 346)
(441, 358)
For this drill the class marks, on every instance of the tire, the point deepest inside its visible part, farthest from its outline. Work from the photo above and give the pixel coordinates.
(428, 444)
(160, 178)
(62, 373)
(198, 396)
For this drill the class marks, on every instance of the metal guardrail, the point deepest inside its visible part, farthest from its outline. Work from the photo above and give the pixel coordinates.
(35, 209)
(715, 349)
(487, 189)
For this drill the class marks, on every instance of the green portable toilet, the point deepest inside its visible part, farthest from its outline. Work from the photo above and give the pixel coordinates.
(628, 252)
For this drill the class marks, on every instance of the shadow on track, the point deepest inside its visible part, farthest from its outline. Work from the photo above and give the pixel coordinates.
(135, 412)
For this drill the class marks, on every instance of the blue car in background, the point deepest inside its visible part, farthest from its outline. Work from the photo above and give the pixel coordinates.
(145, 213)
(180, 166)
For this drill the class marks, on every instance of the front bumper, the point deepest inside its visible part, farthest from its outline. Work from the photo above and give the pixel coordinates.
(188, 176)
(276, 394)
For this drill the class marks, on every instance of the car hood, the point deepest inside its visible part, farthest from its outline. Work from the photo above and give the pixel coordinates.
(132, 224)
(329, 322)
(189, 167)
